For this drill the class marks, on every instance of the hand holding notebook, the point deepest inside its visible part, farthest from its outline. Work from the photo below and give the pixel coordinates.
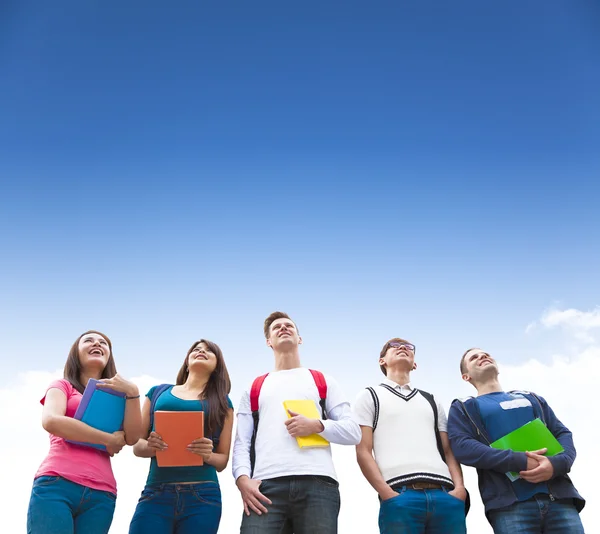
(100, 408)
(308, 409)
(203, 447)
(539, 467)
(531, 436)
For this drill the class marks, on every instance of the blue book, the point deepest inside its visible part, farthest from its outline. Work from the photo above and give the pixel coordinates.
(101, 408)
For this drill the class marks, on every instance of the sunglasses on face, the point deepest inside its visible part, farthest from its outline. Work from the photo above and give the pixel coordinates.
(400, 344)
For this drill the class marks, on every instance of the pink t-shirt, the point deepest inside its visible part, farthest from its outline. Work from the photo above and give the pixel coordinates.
(83, 465)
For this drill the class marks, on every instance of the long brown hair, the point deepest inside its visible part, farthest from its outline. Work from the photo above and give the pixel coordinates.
(216, 390)
(73, 368)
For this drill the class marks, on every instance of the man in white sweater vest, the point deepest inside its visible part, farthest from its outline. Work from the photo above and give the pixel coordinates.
(405, 453)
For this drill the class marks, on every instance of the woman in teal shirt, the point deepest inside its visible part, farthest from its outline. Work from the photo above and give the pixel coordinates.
(186, 500)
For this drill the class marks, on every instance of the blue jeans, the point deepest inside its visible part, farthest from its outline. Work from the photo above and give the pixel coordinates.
(59, 506)
(178, 509)
(536, 516)
(304, 504)
(430, 511)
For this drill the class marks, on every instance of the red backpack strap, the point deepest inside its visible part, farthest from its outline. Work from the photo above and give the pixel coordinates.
(322, 387)
(255, 392)
(254, 395)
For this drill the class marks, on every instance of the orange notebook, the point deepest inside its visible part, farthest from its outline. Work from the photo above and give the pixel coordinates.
(178, 430)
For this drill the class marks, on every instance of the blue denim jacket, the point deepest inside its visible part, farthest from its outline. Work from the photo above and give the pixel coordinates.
(471, 446)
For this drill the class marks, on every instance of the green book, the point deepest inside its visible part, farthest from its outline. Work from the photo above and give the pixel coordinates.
(529, 437)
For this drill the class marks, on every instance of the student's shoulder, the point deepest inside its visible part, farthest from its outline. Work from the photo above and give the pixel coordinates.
(154, 389)
(458, 402)
(329, 378)
(366, 394)
(63, 385)
(256, 381)
(428, 391)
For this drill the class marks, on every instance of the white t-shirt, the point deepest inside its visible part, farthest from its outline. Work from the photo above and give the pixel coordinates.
(404, 442)
(278, 453)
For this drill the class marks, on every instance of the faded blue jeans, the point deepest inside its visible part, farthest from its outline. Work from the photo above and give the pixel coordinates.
(60, 506)
(429, 511)
(537, 515)
(302, 504)
(178, 509)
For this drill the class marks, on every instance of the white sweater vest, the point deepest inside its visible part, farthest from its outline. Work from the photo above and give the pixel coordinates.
(404, 442)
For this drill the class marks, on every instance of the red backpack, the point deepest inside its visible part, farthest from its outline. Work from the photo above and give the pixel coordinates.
(255, 393)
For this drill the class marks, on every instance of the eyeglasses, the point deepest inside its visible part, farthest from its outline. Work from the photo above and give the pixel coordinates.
(400, 344)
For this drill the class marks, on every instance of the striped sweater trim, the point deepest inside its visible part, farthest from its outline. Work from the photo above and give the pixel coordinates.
(398, 394)
(420, 477)
(376, 405)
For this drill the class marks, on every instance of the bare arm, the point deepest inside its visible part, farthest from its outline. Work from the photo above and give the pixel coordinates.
(141, 448)
(57, 423)
(456, 474)
(132, 423)
(220, 457)
(368, 466)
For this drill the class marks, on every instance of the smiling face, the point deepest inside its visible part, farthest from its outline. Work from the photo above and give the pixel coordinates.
(90, 356)
(283, 334)
(397, 353)
(478, 366)
(94, 351)
(201, 357)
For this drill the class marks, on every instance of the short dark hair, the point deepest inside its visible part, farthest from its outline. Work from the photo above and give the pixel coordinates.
(273, 317)
(385, 349)
(463, 365)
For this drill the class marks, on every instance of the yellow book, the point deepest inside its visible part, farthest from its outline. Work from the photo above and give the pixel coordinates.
(307, 408)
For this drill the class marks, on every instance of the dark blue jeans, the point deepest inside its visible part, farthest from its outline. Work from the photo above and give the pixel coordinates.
(430, 511)
(178, 509)
(536, 516)
(60, 506)
(301, 505)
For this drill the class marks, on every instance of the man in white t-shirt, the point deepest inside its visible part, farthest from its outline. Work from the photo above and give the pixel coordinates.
(288, 489)
(419, 482)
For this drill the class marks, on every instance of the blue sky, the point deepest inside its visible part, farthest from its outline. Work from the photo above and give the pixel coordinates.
(428, 170)
(423, 170)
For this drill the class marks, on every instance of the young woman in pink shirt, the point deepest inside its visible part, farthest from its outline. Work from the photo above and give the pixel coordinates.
(74, 490)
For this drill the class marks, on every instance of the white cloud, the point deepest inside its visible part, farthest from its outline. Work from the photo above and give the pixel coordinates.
(568, 384)
(575, 322)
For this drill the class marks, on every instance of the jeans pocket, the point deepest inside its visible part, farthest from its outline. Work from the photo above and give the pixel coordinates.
(45, 481)
(208, 496)
(392, 499)
(456, 499)
(147, 494)
(328, 482)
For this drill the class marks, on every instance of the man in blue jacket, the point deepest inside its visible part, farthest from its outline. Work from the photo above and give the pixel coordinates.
(543, 498)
